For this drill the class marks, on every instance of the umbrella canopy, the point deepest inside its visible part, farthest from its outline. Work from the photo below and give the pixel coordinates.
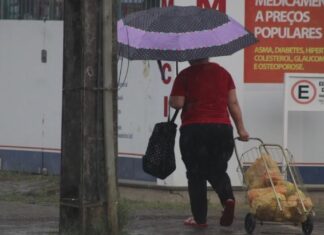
(179, 34)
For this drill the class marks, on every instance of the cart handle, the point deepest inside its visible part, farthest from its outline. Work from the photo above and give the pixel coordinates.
(250, 138)
(238, 139)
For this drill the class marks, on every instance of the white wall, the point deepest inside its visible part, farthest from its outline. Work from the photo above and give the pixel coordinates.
(30, 91)
(305, 136)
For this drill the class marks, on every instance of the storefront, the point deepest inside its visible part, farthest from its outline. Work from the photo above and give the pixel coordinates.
(291, 39)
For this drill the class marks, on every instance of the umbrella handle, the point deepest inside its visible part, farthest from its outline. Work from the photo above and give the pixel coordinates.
(161, 69)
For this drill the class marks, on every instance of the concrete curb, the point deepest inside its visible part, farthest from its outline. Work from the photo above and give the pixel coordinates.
(160, 193)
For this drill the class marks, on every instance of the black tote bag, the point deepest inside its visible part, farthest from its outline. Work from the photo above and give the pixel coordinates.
(159, 158)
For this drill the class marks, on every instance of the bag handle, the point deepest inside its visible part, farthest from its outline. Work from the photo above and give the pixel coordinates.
(174, 115)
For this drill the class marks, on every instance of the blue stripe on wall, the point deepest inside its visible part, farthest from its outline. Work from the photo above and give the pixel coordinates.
(33, 161)
(128, 168)
(312, 174)
(131, 169)
(30, 161)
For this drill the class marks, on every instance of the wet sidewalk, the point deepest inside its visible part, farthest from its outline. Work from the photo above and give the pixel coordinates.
(168, 221)
(162, 224)
(28, 219)
(18, 218)
(159, 213)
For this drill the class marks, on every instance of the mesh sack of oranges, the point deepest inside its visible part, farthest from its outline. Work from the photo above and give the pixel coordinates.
(263, 198)
(257, 176)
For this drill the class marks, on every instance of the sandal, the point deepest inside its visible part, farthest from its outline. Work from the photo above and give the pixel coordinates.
(191, 222)
(228, 213)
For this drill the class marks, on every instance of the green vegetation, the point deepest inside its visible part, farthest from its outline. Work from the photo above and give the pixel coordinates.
(29, 188)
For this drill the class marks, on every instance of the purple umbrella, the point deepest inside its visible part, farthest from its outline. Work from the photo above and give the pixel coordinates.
(180, 34)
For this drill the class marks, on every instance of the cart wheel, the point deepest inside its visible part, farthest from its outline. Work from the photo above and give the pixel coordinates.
(249, 223)
(308, 225)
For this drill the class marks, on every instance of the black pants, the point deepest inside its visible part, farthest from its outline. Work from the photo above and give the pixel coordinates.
(205, 150)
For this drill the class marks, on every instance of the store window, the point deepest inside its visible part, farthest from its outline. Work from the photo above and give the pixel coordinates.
(31, 9)
(53, 9)
(129, 6)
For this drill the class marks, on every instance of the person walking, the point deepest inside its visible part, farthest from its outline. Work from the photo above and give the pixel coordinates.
(206, 93)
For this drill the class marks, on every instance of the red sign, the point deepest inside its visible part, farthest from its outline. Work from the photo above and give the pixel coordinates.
(216, 4)
(166, 67)
(166, 3)
(291, 39)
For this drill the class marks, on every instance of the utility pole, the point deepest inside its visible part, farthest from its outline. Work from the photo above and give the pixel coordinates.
(109, 63)
(89, 196)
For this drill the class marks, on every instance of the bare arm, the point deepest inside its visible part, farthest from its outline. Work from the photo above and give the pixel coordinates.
(177, 102)
(236, 114)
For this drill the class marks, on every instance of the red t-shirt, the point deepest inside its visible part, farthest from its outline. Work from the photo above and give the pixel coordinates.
(205, 88)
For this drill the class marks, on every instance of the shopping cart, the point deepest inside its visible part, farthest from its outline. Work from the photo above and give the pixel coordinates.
(275, 191)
